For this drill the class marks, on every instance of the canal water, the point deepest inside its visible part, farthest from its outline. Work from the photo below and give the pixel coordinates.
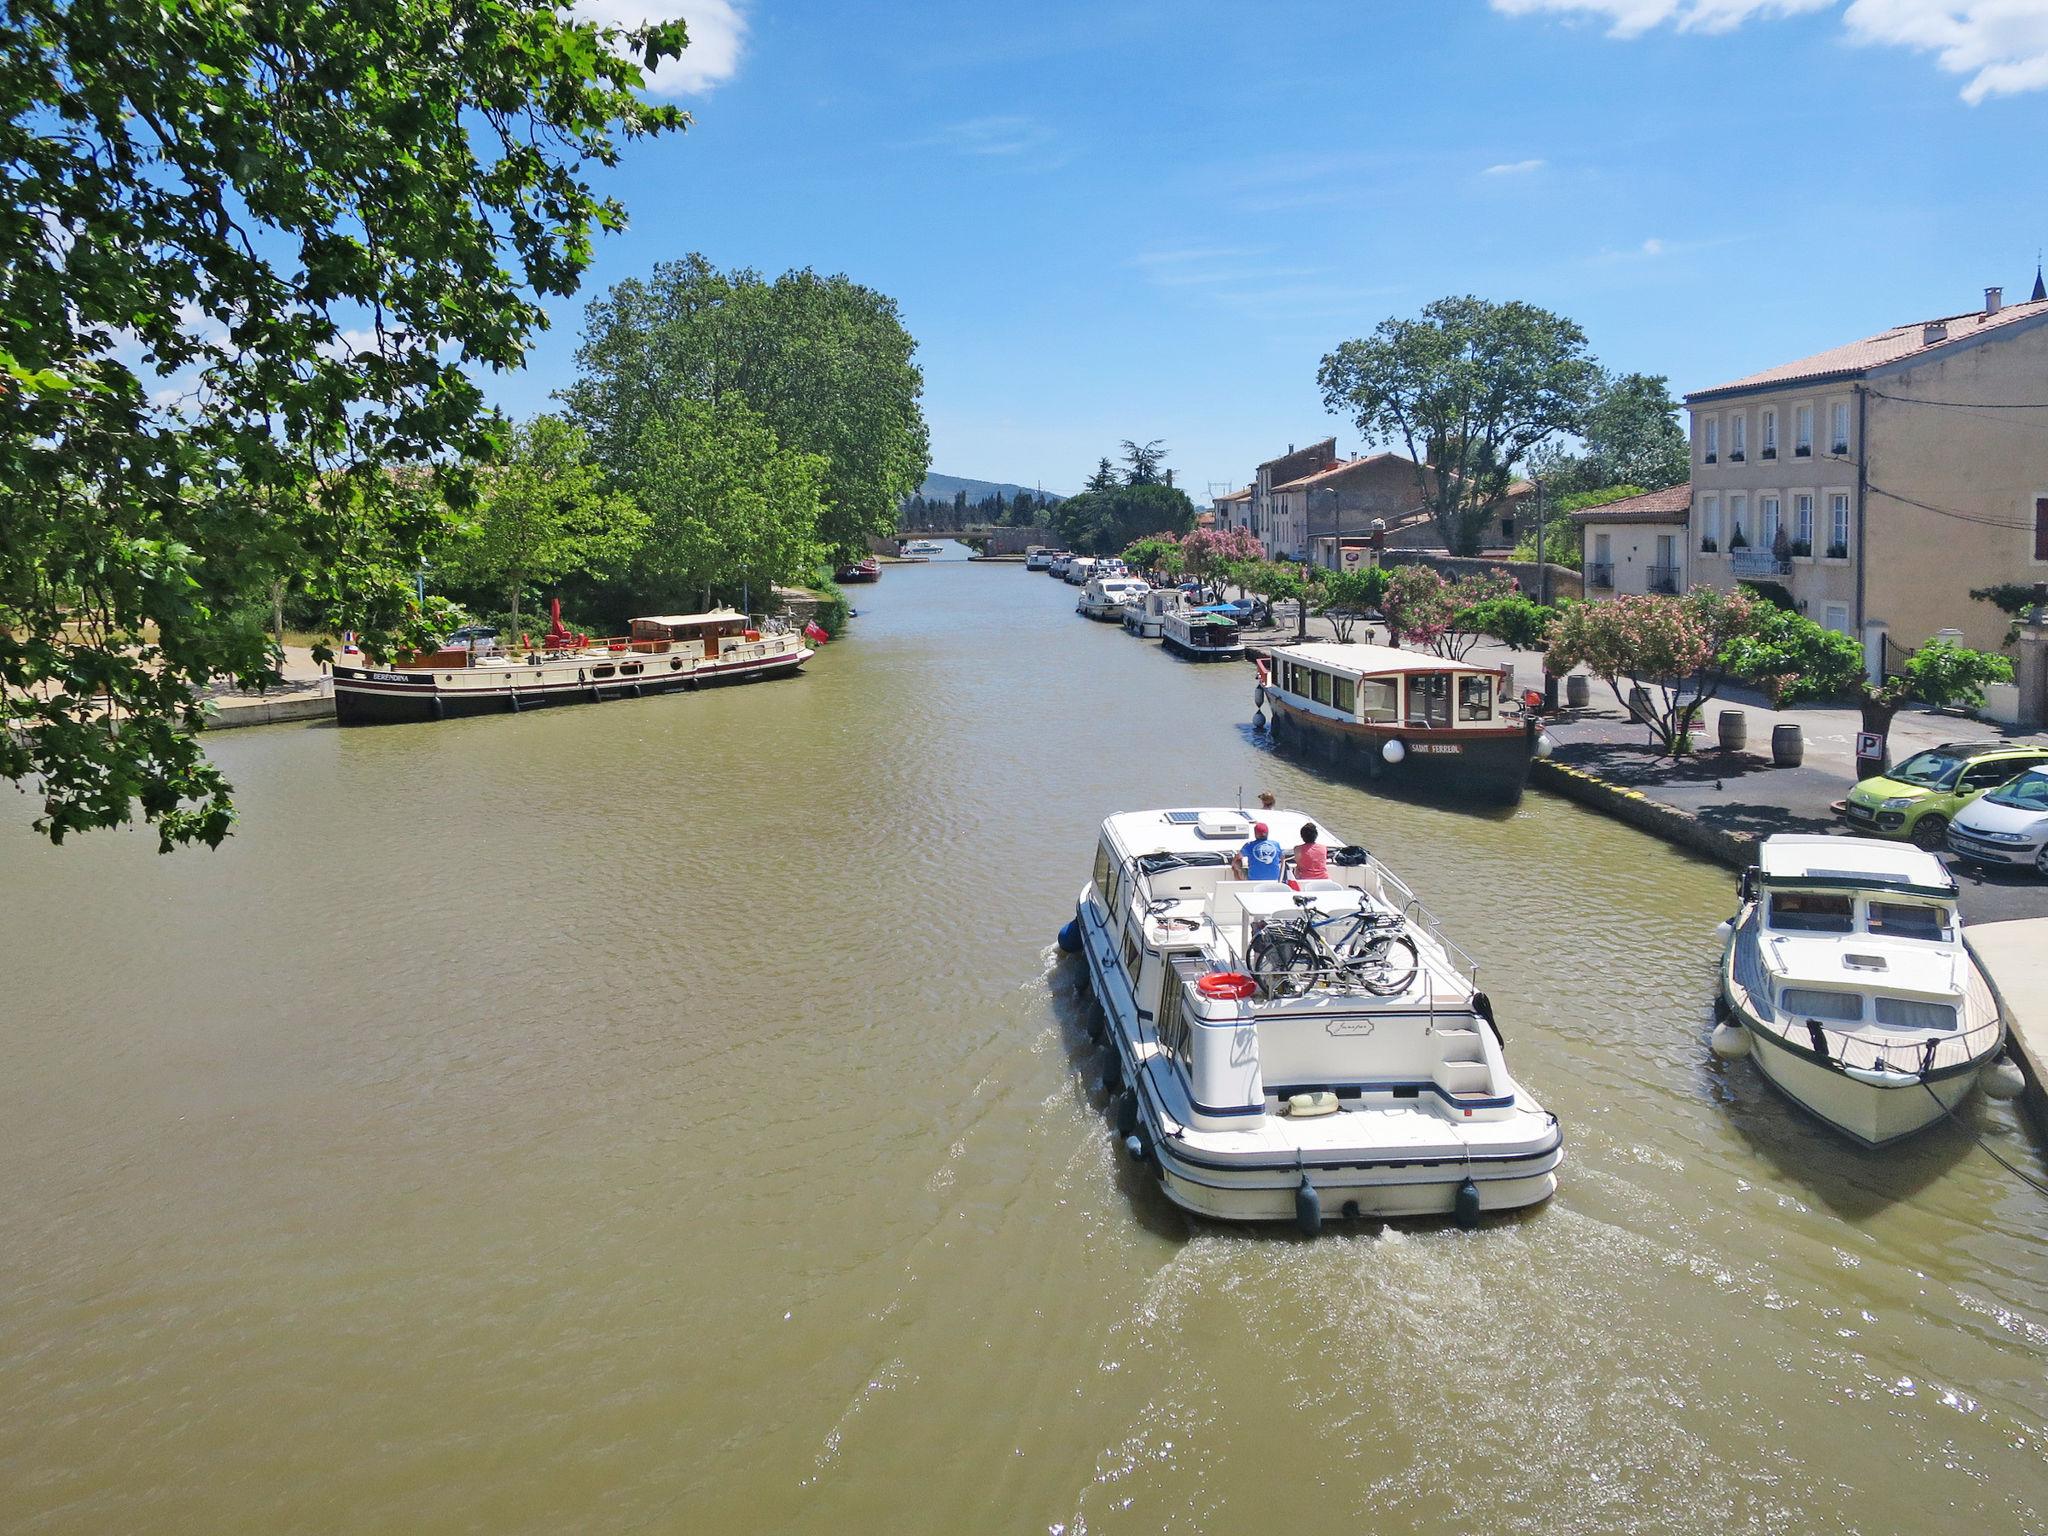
(672, 1116)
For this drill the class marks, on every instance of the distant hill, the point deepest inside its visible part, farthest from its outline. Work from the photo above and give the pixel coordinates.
(943, 488)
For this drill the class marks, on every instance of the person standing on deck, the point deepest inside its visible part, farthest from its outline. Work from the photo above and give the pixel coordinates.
(1259, 859)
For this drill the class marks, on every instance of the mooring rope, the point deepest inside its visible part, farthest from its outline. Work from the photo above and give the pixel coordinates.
(2018, 1173)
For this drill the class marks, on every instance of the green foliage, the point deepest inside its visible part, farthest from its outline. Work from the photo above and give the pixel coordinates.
(1510, 618)
(833, 609)
(731, 508)
(1468, 389)
(1142, 461)
(1793, 659)
(1563, 538)
(1674, 648)
(1632, 434)
(2014, 599)
(252, 258)
(1351, 596)
(1422, 608)
(1156, 554)
(824, 362)
(1102, 522)
(544, 514)
(1944, 674)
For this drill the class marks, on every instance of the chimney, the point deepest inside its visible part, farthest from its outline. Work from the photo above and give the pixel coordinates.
(1994, 300)
(1933, 331)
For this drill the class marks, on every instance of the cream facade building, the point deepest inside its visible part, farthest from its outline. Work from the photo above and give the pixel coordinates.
(1636, 545)
(1880, 481)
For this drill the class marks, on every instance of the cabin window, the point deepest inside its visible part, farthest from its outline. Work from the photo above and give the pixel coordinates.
(1344, 695)
(1429, 700)
(1798, 912)
(1102, 870)
(1116, 892)
(1899, 921)
(1380, 697)
(1131, 953)
(1815, 1003)
(1904, 1013)
(1172, 1024)
(1475, 698)
(1320, 681)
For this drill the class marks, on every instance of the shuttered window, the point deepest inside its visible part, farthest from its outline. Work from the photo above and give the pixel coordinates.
(2041, 528)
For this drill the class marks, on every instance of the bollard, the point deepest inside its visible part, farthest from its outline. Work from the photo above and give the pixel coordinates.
(1788, 747)
(1734, 730)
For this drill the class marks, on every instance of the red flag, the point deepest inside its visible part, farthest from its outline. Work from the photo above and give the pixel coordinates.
(813, 631)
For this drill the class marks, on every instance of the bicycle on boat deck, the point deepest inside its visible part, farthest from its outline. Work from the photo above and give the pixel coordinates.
(1366, 948)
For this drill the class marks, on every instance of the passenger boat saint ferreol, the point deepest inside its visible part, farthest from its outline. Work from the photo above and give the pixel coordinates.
(1306, 1050)
(1406, 716)
(1846, 973)
(662, 654)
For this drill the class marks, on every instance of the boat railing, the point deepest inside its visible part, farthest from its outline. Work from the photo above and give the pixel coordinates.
(1854, 1046)
(1396, 893)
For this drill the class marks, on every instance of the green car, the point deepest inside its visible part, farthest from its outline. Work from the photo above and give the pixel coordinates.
(1920, 797)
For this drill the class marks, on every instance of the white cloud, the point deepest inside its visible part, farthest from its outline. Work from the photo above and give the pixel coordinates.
(2002, 45)
(717, 29)
(1653, 246)
(996, 135)
(1514, 168)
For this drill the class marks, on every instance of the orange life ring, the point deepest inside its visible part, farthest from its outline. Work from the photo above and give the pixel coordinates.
(1234, 985)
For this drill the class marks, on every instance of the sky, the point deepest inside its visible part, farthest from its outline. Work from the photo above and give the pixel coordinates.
(1151, 218)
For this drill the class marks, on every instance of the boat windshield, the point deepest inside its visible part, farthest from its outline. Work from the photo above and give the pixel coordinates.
(1812, 912)
(1898, 920)
(1932, 769)
(2028, 792)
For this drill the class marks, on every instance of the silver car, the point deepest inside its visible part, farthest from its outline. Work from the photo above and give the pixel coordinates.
(2007, 827)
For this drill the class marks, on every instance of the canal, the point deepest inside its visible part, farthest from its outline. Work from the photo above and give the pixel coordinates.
(671, 1116)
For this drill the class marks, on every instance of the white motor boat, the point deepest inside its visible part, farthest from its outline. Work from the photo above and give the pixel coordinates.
(1202, 634)
(1846, 970)
(1079, 569)
(922, 549)
(1106, 598)
(1298, 1053)
(1147, 618)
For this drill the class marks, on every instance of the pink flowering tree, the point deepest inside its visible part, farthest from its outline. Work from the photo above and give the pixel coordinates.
(1424, 610)
(1207, 552)
(1669, 647)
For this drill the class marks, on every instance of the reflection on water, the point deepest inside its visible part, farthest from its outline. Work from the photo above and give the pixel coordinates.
(672, 1115)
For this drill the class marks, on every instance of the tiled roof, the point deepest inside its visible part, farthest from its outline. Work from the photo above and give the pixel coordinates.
(1890, 346)
(1672, 505)
(1243, 495)
(1314, 453)
(1344, 468)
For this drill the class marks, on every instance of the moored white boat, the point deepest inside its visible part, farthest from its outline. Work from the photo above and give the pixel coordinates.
(1146, 618)
(1106, 598)
(1845, 968)
(1298, 1054)
(663, 654)
(1202, 634)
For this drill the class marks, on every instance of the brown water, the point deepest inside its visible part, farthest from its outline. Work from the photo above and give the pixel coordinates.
(670, 1116)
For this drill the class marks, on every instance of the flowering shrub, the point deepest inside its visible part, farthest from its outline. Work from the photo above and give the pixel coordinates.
(1673, 648)
(1793, 659)
(1207, 551)
(1447, 617)
(1157, 554)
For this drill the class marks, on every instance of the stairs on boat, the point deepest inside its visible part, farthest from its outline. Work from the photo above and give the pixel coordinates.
(1462, 1071)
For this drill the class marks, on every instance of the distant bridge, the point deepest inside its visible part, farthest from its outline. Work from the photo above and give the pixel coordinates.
(988, 538)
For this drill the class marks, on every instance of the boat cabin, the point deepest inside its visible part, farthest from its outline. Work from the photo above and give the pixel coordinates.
(1381, 685)
(701, 633)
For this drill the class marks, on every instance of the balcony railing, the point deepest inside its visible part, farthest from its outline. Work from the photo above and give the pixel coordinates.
(1600, 573)
(1664, 578)
(1757, 562)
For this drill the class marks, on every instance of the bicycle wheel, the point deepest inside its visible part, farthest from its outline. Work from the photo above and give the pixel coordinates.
(1282, 963)
(1388, 968)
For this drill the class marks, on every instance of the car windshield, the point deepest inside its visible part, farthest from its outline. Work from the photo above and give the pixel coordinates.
(2028, 792)
(1932, 769)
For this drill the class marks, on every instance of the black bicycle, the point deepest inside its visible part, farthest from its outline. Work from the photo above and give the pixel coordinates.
(1366, 948)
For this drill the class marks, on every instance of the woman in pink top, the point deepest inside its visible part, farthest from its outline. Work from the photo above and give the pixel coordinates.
(1311, 859)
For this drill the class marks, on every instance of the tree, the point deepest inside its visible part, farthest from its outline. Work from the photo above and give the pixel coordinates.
(1469, 389)
(1099, 522)
(1153, 554)
(1448, 617)
(544, 514)
(730, 507)
(1208, 552)
(1943, 673)
(1793, 659)
(825, 362)
(1104, 478)
(1352, 596)
(251, 258)
(1142, 461)
(1564, 542)
(1673, 648)
(1631, 436)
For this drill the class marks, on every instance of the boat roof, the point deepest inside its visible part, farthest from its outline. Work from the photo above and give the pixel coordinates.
(1812, 859)
(1201, 828)
(1370, 660)
(715, 616)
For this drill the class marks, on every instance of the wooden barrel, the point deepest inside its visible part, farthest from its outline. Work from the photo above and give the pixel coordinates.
(1788, 747)
(1734, 730)
(1578, 691)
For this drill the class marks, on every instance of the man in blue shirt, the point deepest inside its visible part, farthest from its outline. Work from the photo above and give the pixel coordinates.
(1259, 859)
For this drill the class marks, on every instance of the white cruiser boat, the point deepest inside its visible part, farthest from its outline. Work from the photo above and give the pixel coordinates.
(1202, 634)
(922, 549)
(1108, 597)
(663, 654)
(1846, 970)
(1298, 1053)
(1146, 618)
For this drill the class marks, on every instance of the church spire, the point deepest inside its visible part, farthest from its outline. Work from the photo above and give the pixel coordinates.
(2040, 288)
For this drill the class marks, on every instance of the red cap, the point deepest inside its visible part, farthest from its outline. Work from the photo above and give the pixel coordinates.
(1258, 829)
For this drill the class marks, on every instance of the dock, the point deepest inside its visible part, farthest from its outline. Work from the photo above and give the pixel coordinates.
(2014, 958)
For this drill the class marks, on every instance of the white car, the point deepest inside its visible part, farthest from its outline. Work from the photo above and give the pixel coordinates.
(2008, 826)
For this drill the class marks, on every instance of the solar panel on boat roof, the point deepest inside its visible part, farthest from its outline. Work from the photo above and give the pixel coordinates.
(1183, 818)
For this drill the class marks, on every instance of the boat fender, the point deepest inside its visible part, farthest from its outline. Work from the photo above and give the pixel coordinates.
(634, 689)
(1308, 1208)
(1729, 1041)
(1070, 936)
(1393, 751)
(1259, 722)
(1352, 1210)
(1135, 1145)
(1465, 1205)
(2003, 1079)
(440, 708)
(513, 698)
(1545, 744)
(1127, 1113)
(1724, 930)
(1819, 1037)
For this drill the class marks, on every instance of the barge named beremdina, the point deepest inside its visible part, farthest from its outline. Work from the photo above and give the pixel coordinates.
(662, 654)
(1415, 719)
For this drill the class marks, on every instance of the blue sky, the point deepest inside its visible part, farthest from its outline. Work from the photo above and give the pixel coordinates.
(1136, 219)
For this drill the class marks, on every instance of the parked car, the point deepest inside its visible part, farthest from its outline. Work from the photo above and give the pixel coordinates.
(1920, 797)
(472, 637)
(2008, 826)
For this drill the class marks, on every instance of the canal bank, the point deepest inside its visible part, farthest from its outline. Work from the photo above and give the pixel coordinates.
(675, 1114)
